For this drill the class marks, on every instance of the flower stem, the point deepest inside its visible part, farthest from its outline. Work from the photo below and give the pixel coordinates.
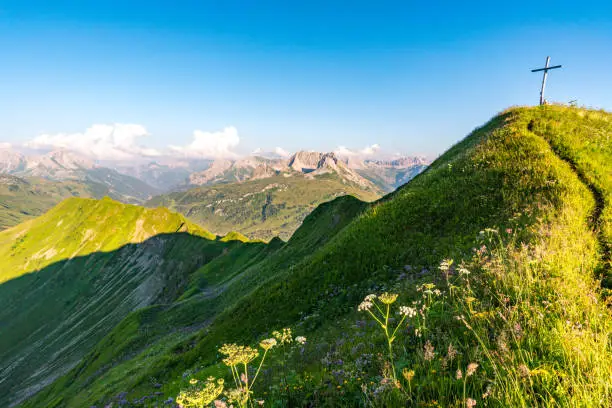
(389, 342)
(258, 368)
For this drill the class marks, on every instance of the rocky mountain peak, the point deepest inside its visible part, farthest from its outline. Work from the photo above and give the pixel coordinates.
(11, 161)
(306, 162)
(68, 160)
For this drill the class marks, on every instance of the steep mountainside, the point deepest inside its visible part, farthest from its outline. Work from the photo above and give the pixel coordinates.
(496, 245)
(73, 274)
(260, 208)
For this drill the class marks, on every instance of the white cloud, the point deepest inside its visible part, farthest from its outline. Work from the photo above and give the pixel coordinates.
(104, 142)
(344, 151)
(370, 150)
(210, 144)
(5, 145)
(281, 152)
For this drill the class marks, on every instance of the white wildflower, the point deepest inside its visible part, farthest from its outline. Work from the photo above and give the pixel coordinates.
(365, 305)
(408, 311)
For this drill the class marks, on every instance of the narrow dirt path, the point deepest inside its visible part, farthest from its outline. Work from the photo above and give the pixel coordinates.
(595, 219)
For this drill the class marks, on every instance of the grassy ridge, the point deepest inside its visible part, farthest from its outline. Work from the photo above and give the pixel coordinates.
(79, 227)
(504, 204)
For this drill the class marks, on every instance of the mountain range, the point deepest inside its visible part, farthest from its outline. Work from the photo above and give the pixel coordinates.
(267, 198)
(63, 165)
(37, 182)
(494, 258)
(385, 175)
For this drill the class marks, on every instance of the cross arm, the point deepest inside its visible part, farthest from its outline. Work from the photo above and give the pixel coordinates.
(546, 69)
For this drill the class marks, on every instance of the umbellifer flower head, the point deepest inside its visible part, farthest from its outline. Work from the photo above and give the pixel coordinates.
(301, 339)
(407, 311)
(388, 298)
(267, 344)
(285, 337)
(365, 305)
(201, 397)
(238, 354)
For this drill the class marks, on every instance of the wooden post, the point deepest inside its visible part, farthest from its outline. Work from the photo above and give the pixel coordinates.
(544, 80)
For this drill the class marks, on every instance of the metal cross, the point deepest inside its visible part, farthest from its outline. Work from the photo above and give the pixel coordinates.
(545, 69)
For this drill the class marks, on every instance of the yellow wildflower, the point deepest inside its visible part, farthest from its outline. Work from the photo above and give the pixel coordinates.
(200, 397)
(408, 374)
(267, 344)
(388, 298)
(285, 337)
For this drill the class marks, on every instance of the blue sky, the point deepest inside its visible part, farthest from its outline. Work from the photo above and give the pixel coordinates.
(413, 77)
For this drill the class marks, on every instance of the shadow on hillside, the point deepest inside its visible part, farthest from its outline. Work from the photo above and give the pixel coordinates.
(50, 318)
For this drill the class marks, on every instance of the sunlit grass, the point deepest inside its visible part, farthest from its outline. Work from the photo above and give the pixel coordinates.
(497, 249)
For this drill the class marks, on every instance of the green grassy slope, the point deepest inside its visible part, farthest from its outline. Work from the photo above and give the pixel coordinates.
(24, 198)
(148, 334)
(261, 209)
(79, 227)
(72, 274)
(525, 217)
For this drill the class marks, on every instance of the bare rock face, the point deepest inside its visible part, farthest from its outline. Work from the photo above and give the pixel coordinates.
(11, 161)
(59, 165)
(215, 171)
(263, 171)
(305, 162)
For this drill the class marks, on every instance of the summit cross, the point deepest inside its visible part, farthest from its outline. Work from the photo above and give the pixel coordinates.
(545, 69)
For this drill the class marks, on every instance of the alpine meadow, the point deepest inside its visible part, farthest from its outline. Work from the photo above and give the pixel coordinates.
(288, 204)
(481, 282)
